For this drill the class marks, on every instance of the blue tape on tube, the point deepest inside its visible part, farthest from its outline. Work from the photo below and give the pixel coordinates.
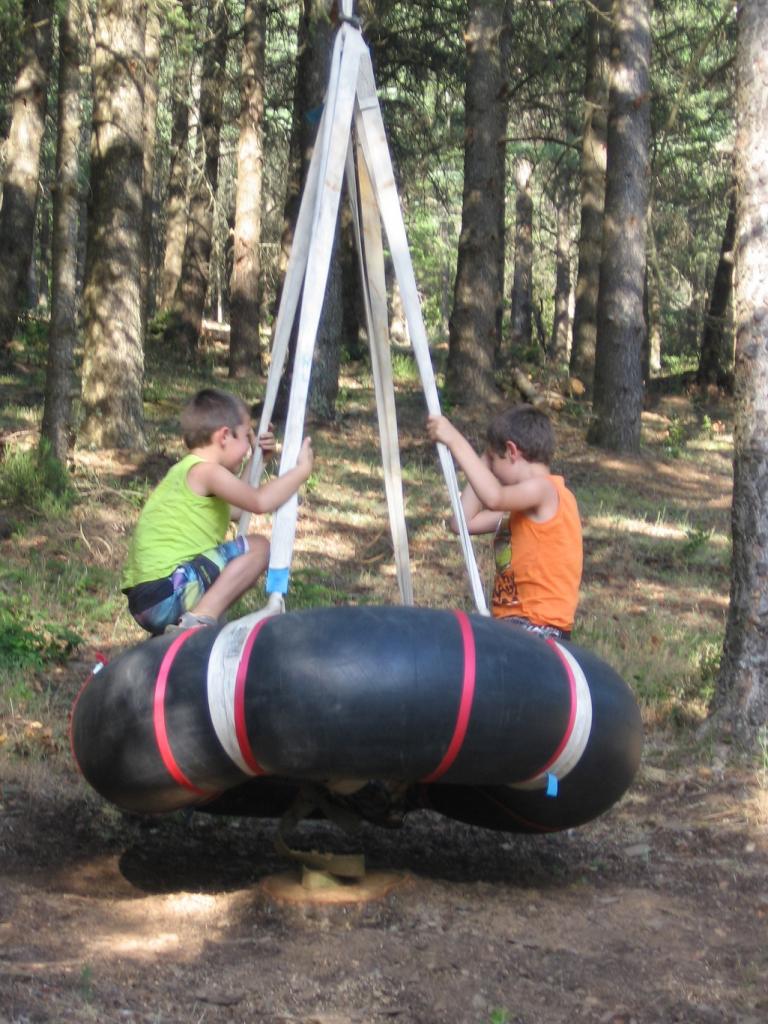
(551, 785)
(277, 581)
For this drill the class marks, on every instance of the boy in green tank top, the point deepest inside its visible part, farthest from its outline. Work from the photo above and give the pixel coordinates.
(180, 569)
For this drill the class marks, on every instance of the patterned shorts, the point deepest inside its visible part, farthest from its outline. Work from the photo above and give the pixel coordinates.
(552, 632)
(159, 603)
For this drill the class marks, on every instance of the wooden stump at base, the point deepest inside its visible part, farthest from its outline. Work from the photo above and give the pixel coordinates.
(321, 888)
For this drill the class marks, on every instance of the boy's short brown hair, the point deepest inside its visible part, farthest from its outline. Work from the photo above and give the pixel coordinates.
(529, 428)
(209, 410)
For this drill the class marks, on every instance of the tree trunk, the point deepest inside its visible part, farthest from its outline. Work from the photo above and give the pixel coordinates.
(716, 354)
(477, 298)
(503, 99)
(152, 62)
(86, 136)
(113, 359)
(618, 396)
(62, 336)
(654, 307)
(244, 351)
(352, 306)
(195, 272)
(522, 287)
(560, 323)
(178, 179)
(315, 41)
(741, 697)
(40, 264)
(593, 159)
(22, 167)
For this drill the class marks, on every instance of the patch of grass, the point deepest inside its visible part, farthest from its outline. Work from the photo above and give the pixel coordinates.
(670, 666)
(15, 416)
(404, 369)
(676, 364)
(25, 645)
(762, 754)
(661, 543)
(71, 594)
(600, 498)
(29, 644)
(308, 588)
(167, 390)
(498, 1017)
(85, 983)
(36, 481)
(313, 589)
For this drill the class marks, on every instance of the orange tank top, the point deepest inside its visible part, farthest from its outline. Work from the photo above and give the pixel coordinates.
(538, 565)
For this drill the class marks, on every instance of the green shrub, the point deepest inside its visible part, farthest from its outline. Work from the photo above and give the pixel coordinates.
(676, 437)
(697, 539)
(404, 368)
(33, 335)
(36, 480)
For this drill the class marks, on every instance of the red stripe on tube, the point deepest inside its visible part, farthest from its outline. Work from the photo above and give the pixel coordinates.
(467, 697)
(241, 727)
(161, 733)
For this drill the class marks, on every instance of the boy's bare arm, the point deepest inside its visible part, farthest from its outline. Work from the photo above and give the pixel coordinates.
(219, 481)
(479, 518)
(495, 496)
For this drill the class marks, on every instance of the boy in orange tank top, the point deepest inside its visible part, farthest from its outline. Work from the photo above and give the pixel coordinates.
(512, 494)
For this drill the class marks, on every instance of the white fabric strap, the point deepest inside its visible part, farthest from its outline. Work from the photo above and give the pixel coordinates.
(286, 313)
(333, 149)
(351, 79)
(376, 153)
(367, 230)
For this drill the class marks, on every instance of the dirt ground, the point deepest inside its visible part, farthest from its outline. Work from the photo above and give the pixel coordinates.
(655, 912)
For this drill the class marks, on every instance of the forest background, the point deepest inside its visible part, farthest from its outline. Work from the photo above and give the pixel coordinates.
(569, 179)
(584, 189)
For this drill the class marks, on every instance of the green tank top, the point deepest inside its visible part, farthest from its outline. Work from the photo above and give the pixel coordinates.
(175, 525)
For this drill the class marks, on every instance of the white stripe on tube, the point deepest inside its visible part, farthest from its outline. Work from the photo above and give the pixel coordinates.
(571, 753)
(223, 662)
